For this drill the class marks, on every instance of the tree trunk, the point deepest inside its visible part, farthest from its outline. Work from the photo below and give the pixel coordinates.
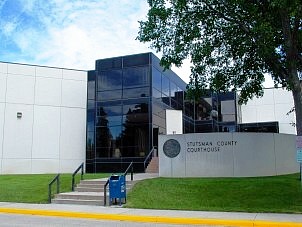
(297, 94)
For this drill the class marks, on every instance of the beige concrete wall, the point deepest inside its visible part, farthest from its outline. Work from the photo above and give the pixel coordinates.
(229, 155)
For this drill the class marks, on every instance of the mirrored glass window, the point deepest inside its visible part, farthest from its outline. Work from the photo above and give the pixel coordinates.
(110, 80)
(136, 92)
(156, 93)
(138, 59)
(156, 79)
(131, 107)
(91, 85)
(136, 76)
(109, 95)
(111, 63)
(109, 121)
(165, 85)
(90, 141)
(109, 110)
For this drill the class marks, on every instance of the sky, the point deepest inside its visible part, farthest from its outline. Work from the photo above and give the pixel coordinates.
(73, 33)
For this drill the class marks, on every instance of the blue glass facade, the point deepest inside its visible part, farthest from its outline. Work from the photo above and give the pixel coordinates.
(127, 99)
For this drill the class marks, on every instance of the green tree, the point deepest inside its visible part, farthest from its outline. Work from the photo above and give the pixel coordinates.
(232, 44)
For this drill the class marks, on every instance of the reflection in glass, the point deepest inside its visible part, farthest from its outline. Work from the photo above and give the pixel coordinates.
(108, 136)
(135, 139)
(90, 140)
(109, 121)
(91, 85)
(166, 99)
(156, 93)
(90, 120)
(110, 80)
(137, 107)
(136, 92)
(109, 95)
(136, 76)
(112, 63)
(165, 86)
(136, 60)
(156, 79)
(109, 110)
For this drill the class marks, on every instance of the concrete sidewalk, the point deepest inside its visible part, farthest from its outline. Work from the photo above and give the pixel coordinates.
(154, 216)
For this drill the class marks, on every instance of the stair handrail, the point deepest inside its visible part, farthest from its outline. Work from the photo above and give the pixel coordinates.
(105, 191)
(148, 157)
(57, 180)
(127, 170)
(81, 167)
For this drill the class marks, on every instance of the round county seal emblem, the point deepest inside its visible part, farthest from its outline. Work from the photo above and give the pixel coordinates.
(171, 148)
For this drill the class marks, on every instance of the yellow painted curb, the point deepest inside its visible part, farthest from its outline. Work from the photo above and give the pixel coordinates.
(153, 219)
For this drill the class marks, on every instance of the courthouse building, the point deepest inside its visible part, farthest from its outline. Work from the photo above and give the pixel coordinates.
(53, 119)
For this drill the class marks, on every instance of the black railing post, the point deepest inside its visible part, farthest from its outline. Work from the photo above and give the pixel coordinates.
(81, 167)
(105, 192)
(132, 172)
(127, 170)
(147, 158)
(56, 179)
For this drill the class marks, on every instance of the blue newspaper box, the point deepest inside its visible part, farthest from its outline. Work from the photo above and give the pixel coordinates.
(117, 188)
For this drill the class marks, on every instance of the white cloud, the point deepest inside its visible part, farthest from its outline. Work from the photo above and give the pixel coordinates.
(75, 33)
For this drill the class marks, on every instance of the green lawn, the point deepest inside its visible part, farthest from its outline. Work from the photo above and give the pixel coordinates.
(263, 194)
(34, 188)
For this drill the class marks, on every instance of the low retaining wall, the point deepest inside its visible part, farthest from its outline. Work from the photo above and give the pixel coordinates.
(227, 155)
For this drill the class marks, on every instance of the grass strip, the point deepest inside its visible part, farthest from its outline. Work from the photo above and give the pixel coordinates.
(33, 188)
(259, 194)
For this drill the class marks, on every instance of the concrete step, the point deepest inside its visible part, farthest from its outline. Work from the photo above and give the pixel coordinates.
(87, 192)
(98, 188)
(153, 166)
(92, 182)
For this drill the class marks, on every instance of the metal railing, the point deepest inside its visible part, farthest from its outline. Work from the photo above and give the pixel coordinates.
(130, 167)
(127, 170)
(148, 158)
(57, 180)
(105, 192)
(81, 167)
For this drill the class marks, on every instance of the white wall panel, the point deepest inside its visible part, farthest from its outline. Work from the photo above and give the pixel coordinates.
(69, 165)
(2, 111)
(3, 67)
(174, 122)
(273, 106)
(46, 132)
(74, 75)
(3, 77)
(41, 166)
(283, 96)
(74, 93)
(49, 72)
(265, 113)
(16, 166)
(73, 133)
(18, 69)
(20, 89)
(17, 141)
(48, 91)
